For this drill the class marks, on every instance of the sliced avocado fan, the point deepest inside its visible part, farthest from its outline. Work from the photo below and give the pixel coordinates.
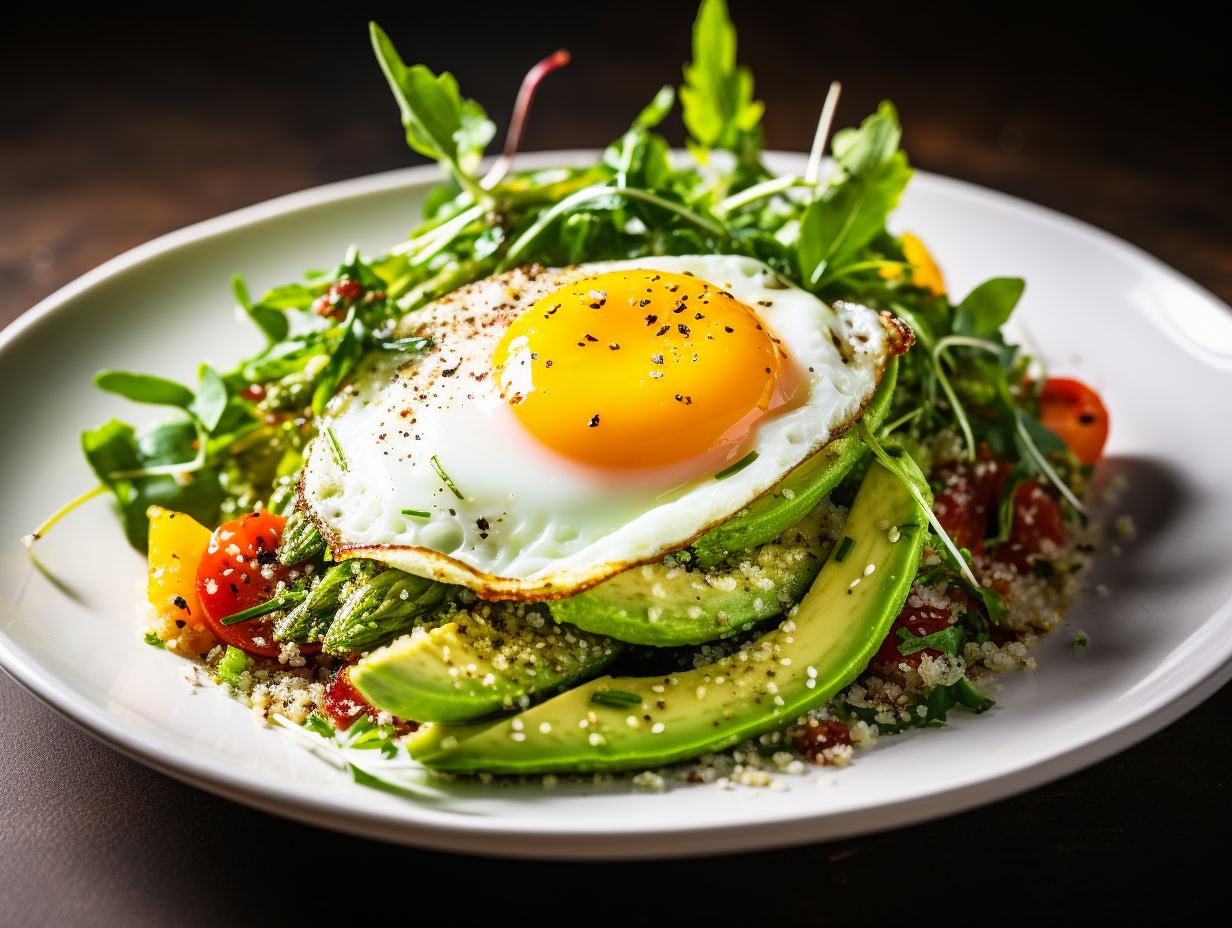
(796, 495)
(489, 658)
(627, 722)
(665, 606)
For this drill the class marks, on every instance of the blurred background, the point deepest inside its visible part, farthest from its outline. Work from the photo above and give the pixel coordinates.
(120, 125)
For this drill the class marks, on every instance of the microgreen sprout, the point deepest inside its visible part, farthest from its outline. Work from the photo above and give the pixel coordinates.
(896, 467)
(1042, 463)
(521, 108)
(440, 472)
(813, 171)
(599, 191)
(901, 421)
(60, 513)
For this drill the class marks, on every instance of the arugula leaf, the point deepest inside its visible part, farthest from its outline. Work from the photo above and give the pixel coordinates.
(144, 388)
(847, 217)
(211, 398)
(657, 109)
(437, 122)
(346, 354)
(1046, 440)
(717, 96)
(861, 150)
(264, 315)
(948, 640)
(987, 307)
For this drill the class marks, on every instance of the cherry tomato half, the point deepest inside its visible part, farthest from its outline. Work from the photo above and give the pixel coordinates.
(1036, 517)
(1075, 412)
(239, 570)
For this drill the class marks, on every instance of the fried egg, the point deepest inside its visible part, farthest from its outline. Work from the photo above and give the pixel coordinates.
(567, 425)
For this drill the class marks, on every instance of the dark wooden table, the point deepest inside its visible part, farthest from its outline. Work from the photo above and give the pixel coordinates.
(113, 131)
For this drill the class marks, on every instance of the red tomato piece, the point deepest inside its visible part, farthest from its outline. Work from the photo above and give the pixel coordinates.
(239, 570)
(920, 621)
(345, 704)
(970, 496)
(1076, 413)
(1036, 517)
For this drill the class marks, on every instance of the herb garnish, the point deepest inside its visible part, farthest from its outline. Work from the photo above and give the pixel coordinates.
(281, 601)
(615, 698)
(844, 546)
(440, 472)
(337, 448)
(417, 513)
(737, 467)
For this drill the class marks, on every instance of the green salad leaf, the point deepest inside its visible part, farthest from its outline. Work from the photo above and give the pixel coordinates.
(717, 96)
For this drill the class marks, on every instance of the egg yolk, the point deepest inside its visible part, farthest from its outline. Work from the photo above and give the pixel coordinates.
(639, 369)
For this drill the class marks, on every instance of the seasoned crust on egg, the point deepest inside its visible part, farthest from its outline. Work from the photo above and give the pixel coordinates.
(899, 337)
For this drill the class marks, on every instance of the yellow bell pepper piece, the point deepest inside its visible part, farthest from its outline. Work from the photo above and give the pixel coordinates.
(924, 271)
(177, 544)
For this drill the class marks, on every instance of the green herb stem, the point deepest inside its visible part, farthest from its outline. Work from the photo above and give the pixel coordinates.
(281, 601)
(737, 467)
(440, 472)
(896, 468)
(767, 188)
(337, 448)
(595, 193)
(813, 171)
(417, 513)
(1052, 475)
(615, 698)
(60, 513)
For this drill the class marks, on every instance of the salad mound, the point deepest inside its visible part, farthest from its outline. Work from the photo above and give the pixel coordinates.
(876, 588)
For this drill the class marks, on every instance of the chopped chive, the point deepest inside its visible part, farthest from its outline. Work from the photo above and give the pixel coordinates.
(280, 601)
(616, 698)
(737, 467)
(417, 513)
(844, 547)
(154, 641)
(440, 472)
(337, 446)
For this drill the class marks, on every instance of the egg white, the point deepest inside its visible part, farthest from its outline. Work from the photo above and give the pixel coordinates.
(530, 523)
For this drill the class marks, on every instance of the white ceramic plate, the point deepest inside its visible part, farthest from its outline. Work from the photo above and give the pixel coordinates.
(1158, 348)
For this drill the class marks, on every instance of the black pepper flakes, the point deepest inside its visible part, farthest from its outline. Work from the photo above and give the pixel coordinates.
(594, 421)
(683, 329)
(657, 358)
(652, 319)
(663, 331)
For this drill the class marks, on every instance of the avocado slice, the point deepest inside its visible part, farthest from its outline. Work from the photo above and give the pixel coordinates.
(796, 495)
(490, 658)
(665, 604)
(628, 722)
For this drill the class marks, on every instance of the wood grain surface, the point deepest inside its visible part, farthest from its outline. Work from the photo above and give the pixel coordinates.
(118, 128)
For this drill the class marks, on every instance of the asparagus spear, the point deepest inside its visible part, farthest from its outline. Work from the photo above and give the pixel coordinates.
(309, 620)
(301, 540)
(391, 603)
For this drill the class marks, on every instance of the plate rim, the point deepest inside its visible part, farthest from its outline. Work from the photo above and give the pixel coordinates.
(557, 839)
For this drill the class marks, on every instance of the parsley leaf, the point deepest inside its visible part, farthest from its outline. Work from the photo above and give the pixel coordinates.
(948, 640)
